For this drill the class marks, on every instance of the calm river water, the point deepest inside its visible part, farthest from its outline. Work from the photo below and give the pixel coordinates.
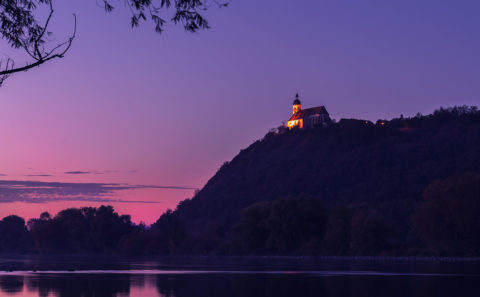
(230, 277)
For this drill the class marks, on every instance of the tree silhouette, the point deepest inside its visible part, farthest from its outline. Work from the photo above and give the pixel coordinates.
(353, 188)
(14, 237)
(84, 230)
(447, 218)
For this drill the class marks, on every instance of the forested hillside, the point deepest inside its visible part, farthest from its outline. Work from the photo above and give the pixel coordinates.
(408, 186)
(376, 171)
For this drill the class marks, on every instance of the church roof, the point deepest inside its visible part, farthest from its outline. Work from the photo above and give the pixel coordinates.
(303, 113)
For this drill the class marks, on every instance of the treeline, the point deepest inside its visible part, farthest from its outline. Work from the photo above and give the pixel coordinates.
(377, 171)
(444, 223)
(409, 186)
(86, 231)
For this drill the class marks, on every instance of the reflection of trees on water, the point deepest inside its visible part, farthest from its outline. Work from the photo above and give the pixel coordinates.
(237, 285)
(81, 285)
(287, 285)
(11, 284)
(202, 285)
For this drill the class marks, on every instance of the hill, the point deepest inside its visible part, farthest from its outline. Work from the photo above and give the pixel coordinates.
(404, 187)
(383, 167)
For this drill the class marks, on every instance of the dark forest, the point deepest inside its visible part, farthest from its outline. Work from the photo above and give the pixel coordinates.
(404, 187)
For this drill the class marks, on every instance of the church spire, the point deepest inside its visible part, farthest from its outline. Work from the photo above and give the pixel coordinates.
(297, 105)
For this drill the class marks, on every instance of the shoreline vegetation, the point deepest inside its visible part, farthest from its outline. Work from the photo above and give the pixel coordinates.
(206, 264)
(408, 188)
(175, 257)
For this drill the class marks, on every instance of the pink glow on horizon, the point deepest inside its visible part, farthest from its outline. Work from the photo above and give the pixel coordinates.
(136, 108)
(140, 212)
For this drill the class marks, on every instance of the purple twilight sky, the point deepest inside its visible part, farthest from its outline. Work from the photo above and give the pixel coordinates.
(147, 118)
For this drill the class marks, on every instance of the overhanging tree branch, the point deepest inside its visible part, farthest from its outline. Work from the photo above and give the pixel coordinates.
(34, 46)
(21, 29)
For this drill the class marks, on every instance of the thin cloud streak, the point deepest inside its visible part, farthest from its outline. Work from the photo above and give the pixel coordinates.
(38, 175)
(78, 172)
(44, 192)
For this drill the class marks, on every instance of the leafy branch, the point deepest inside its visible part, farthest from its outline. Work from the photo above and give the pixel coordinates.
(20, 28)
(22, 31)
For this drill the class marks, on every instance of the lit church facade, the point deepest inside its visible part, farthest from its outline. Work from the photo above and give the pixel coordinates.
(308, 118)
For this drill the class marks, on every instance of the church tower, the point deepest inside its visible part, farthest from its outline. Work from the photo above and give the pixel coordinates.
(297, 105)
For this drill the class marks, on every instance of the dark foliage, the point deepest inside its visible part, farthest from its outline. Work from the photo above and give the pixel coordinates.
(369, 176)
(14, 237)
(400, 187)
(337, 235)
(447, 219)
(286, 225)
(163, 237)
(79, 231)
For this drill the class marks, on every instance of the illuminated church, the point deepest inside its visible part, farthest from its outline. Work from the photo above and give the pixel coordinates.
(308, 118)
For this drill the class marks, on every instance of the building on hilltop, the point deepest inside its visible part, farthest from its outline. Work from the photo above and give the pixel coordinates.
(308, 118)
